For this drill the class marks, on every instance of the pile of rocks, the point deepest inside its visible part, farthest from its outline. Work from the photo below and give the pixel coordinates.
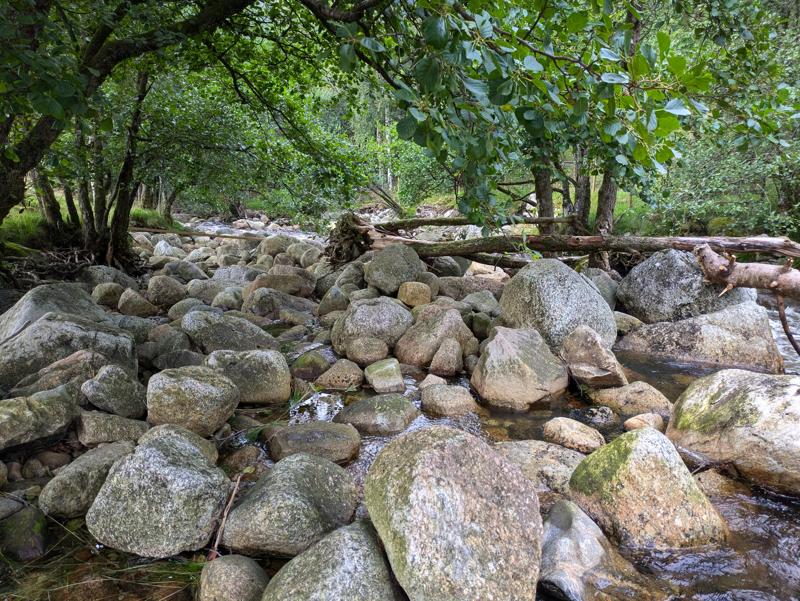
(121, 399)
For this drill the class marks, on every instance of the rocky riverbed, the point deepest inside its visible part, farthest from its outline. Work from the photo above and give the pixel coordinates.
(248, 422)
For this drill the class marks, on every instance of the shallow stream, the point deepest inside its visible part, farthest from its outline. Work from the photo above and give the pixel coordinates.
(763, 560)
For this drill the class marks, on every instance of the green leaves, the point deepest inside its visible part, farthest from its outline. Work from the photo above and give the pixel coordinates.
(428, 72)
(615, 78)
(434, 29)
(347, 57)
(372, 44)
(531, 64)
(664, 43)
(609, 55)
(406, 127)
(677, 107)
(577, 21)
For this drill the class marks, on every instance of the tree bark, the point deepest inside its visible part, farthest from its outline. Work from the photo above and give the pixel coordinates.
(779, 279)
(165, 207)
(604, 221)
(583, 193)
(69, 200)
(355, 232)
(410, 224)
(148, 196)
(47, 201)
(544, 198)
(125, 193)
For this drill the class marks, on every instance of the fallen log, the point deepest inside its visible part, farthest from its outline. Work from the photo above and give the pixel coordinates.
(350, 229)
(723, 269)
(415, 222)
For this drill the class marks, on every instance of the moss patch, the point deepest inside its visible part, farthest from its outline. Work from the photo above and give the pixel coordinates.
(600, 469)
(722, 409)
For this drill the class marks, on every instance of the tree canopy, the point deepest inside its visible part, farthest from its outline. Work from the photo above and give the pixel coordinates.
(314, 104)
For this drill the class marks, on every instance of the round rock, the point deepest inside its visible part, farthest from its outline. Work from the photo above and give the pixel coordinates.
(197, 398)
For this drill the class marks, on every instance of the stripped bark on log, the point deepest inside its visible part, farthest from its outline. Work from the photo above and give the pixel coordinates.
(415, 222)
(560, 243)
(723, 269)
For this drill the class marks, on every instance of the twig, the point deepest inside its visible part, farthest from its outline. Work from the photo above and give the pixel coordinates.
(213, 554)
(785, 323)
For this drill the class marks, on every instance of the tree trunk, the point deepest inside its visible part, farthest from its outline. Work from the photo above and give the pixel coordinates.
(583, 192)
(69, 200)
(604, 221)
(148, 196)
(103, 52)
(125, 192)
(567, 208)
(544, 197)
(165, 206)
(47, 201)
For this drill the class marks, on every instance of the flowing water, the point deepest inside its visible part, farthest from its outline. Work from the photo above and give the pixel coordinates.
(762, 562)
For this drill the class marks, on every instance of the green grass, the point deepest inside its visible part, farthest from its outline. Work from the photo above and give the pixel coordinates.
(153, 219)
(23, 226)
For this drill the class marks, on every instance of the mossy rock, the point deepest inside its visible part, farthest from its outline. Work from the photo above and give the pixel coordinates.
(640, 493)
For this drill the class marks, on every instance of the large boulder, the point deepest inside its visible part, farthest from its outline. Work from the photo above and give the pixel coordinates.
(206, 447)
(641, 494)
(115, 390)
(214, 332)
(73, 490)
(94, 275)
(605, 284)
(380, 318)
(634, 399)
(419, 343)
(457, 520)
(347, 564)
(461, 287)
(589, 361)
(748, 420)
(291, 280)
(579, 563)
(446, 400)
(134, 304)
(95, 427)
(263, 377)
(55, 336)
(738, 336)
(24, 535)
(572, 434)
(199, 399)
(549, 466)
(291, 507)
(392, 266)
(71, 371)
(517, 369)
(548, 296)
(267, 302)
(25, 419)
(337, 442)
(165, 291)
(163, 499)
(48, 298)
(670, 286)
